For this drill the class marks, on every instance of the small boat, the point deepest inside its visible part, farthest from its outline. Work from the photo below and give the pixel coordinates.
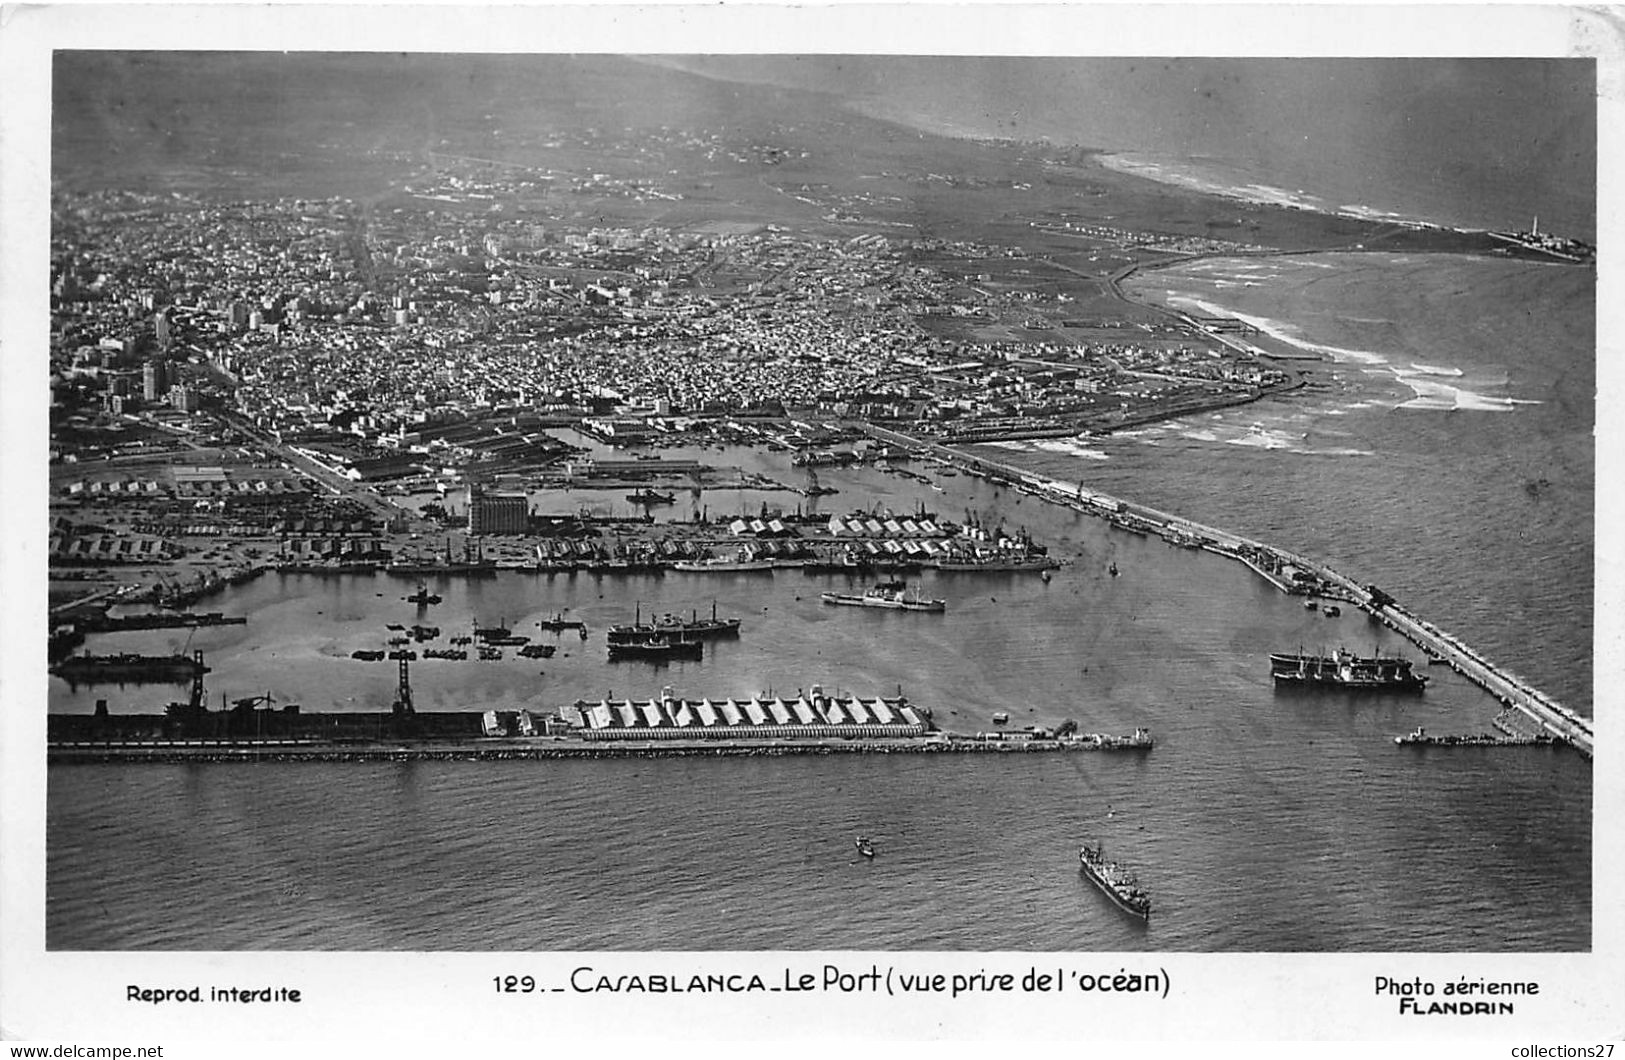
(1331, 610)
(865, 846)
(1112, 570)
(1001, 718)
(558, 622)
(1310, 605)
(423, 597)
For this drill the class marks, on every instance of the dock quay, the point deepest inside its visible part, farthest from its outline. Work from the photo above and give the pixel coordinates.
(1420, 737)
(1291, 573)
(508, 748)
(766, 724)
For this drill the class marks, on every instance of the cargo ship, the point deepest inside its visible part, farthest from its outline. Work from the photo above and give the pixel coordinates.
(105, 623)
(473, 564)
(128, 667)
(889, 597)
(996, 564)
(1344, 669)
(692, 628)
(658, 649)
(1116, 882)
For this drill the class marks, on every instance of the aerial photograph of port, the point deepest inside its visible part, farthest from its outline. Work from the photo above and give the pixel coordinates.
(778, 503)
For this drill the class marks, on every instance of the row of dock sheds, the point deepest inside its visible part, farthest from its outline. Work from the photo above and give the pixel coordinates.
(810, 714)
(183, 482)
(870, 526)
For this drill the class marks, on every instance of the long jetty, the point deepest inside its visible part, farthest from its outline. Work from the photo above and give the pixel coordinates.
(384, 748)
(1513, 691)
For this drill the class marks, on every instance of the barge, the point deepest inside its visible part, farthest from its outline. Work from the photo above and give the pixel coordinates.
(129, 667)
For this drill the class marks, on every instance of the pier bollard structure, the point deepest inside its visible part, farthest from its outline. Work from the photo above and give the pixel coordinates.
(1512, 690)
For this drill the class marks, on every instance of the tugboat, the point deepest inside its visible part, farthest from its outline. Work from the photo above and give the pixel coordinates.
(865, 846)
(651, 497)
(423, 597)
(1117, 882)
(559, 623)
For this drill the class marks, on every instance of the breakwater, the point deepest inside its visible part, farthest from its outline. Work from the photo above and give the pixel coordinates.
(1286, 571)
(499, 750)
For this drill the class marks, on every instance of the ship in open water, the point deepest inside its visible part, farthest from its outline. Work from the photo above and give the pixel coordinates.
(1115, 881)
(887, 596)
(673, 627)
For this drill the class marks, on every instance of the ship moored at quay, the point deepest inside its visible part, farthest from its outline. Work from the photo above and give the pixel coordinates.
(1344, 669)
(130, 667)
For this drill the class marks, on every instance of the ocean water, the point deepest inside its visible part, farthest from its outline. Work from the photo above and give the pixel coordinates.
(1264, 820)
(1408, 137)
(1453, 422)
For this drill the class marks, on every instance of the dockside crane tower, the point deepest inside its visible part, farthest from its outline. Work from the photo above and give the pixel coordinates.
(403, 691)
